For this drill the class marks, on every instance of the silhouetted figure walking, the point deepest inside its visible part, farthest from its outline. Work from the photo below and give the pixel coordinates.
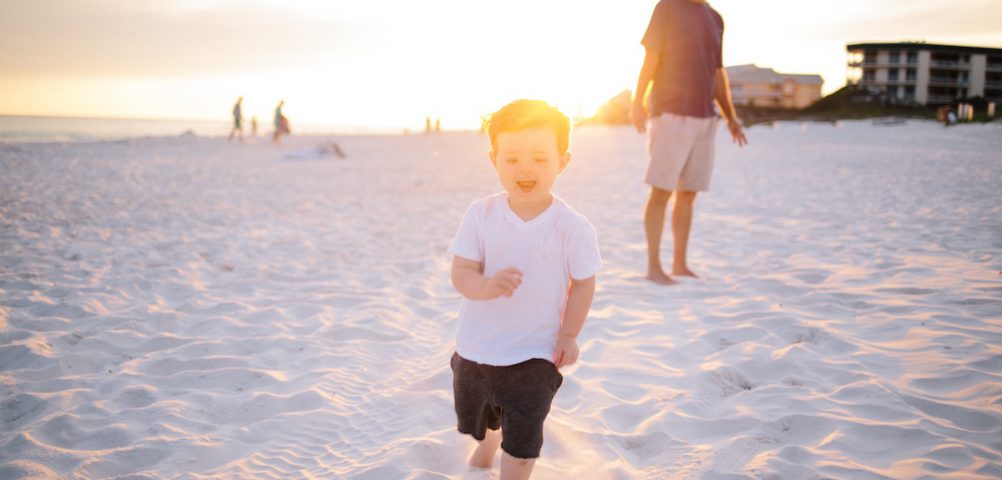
(281, 123)
(237, 121)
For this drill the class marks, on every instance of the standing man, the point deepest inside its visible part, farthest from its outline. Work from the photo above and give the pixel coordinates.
(238, 118)
(683, 43)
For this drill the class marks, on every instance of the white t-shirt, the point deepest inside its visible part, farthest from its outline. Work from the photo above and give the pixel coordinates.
(557, 245)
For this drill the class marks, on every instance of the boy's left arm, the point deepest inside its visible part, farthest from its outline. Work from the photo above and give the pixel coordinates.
(579, 297)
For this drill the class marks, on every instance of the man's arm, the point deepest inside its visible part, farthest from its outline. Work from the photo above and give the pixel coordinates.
(579, 297)
(638, 114)
(469, 280)
(723, 97)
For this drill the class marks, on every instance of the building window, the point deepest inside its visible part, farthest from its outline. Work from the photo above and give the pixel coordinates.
(895, 57)
(892, 74)
(910, 75)
(869, 75)
(912, 57)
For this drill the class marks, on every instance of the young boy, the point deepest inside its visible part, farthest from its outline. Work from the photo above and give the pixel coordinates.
(525, 263)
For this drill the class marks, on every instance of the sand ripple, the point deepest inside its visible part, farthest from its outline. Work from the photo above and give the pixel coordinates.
(182, 308)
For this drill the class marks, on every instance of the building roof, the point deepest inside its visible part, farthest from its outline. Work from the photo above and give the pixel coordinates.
(924, 46)
(753, 73)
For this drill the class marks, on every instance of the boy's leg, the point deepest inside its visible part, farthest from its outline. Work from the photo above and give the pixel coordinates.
(654, 224)
(475, 416)
(681, 224)
(516, 468)
(483, 456)
(525, 393)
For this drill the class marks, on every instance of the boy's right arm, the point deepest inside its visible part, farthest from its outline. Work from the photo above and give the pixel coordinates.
(469, 280)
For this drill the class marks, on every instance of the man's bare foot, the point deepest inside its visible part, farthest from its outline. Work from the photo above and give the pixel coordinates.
(659, 277)
(683, 272)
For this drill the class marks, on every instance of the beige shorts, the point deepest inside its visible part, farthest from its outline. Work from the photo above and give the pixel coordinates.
(681, 152)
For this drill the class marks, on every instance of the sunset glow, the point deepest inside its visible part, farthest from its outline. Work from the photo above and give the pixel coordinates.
(388, 64)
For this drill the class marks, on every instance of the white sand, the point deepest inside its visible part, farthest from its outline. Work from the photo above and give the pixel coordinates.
(185, 308)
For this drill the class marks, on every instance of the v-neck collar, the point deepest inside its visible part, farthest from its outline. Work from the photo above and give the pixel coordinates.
(537, 220)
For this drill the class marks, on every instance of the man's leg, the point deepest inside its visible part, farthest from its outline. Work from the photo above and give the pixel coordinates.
(483, 456)
(516, 468)
(681, 223)
(654, 225)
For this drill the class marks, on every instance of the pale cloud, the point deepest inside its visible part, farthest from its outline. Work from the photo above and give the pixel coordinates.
(917, 20)
(159, 37)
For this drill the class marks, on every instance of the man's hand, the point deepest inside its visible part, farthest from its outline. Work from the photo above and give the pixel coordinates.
(503, 283)
(638, 114)
(737, 133)
(566, 352)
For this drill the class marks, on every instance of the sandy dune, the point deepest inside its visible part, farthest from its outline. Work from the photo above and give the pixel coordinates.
(186, 308)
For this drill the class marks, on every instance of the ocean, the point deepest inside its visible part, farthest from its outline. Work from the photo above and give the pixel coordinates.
(19, 128)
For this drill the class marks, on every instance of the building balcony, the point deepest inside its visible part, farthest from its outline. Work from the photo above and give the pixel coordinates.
(874, 82)
(940, 99)
(887, 64)
(993, 83)
(950, 65)
(994, 67)
(949, 82)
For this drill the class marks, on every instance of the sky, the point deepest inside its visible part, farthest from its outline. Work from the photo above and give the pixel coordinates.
(387, 64)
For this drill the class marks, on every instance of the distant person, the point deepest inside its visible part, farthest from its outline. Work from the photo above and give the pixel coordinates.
(524, 304)
(438, 125)
(427, 124)
(281, 123)
(254, 126)
(684, 68)
(237, 121)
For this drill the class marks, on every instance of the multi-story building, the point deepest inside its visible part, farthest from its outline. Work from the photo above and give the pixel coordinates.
(926, 73)
(764, 87)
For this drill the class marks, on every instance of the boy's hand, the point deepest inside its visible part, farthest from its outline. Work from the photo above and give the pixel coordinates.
(566, 352)
(503, 283)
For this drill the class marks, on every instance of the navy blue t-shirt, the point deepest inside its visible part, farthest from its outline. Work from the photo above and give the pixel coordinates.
(686, 37)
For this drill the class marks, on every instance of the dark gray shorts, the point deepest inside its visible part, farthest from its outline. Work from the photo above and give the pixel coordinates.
(515, 399)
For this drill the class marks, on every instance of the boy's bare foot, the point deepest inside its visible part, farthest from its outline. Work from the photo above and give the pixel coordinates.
(483, 456)
(683, 272)
(659, 277)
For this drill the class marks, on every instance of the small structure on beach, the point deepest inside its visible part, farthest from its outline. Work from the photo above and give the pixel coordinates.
(754, 86)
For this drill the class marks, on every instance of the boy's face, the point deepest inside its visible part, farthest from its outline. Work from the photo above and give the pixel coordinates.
(528, 162)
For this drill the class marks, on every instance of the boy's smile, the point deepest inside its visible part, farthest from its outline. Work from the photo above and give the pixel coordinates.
(527, 163)
(526, 185)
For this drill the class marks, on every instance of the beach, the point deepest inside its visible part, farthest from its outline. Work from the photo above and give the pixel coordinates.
(181, 307)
